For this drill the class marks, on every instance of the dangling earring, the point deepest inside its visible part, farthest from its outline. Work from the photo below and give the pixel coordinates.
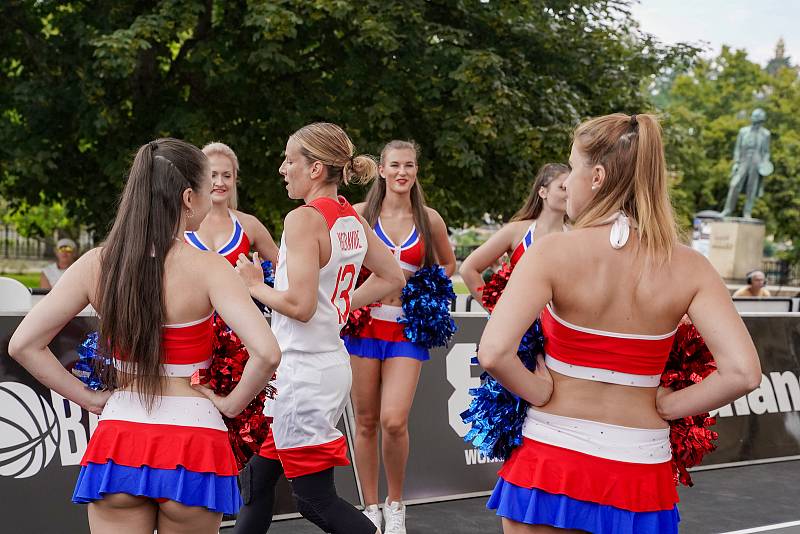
(189, 213)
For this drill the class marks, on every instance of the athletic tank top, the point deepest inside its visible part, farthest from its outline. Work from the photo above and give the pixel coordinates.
(337, 280)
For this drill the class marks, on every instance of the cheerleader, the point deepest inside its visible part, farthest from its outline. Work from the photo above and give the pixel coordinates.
(160, 456)
(543, 213)
(596, 454)
(324, 244)
(386, 365)
(226, 230)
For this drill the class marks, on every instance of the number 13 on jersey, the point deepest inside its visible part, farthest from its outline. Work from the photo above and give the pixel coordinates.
(340, 299)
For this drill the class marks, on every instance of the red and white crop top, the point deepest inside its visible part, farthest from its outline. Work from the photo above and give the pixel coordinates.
(410, 254)
(612, 357)
(238, 242)
(185, 348)
(616, 358)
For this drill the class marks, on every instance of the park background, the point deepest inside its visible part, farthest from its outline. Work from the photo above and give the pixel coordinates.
(490, 90)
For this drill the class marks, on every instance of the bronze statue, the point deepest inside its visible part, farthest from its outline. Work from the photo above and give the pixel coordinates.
(750, 164)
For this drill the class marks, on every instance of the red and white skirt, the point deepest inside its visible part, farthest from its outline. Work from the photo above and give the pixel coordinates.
(178, 451)
(578, 474)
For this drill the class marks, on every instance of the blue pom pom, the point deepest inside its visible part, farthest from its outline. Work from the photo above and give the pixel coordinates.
(89, 362)
(269, 275)
(496, 414)
(426, 308)
(269, 279)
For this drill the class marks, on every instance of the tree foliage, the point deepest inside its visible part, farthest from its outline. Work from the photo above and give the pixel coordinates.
(490, 89)
(706, 106)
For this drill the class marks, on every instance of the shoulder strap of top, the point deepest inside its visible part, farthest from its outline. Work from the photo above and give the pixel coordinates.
(527, 239)
(332, 210)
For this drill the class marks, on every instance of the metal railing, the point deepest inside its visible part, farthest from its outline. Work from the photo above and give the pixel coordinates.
(13, 245)
(781, 273)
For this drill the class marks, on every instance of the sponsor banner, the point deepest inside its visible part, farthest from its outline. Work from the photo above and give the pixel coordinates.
(761, 425)
(43, 437)
(766, 422)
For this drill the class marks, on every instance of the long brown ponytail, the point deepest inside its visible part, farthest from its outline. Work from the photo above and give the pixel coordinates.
(377, 192)
(630, 149)
(130, 291)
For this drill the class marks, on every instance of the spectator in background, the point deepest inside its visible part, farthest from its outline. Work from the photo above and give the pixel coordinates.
(66, 254)
(756, 280)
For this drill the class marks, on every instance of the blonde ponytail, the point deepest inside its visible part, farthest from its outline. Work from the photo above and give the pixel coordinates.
(329, 144)
(630, 150)
(360, 170)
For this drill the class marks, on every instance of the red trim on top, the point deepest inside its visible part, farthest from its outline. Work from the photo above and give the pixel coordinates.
(629, 486)
(517, 254)
(626, 355)
(332, 210)
(243, 248)
(202, 450)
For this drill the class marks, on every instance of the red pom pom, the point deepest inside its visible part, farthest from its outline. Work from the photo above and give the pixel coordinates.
(689, 362)
(494, 287)
(249, 429)
(359, 317)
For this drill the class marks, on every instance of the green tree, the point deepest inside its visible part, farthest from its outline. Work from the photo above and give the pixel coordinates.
(40, 220)
(704, 110)
(490, 89)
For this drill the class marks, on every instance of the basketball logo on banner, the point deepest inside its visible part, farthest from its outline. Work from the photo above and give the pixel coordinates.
(29, 431)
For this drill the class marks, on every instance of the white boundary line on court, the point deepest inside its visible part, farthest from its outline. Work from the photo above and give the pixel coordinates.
(764, 528)
(745, 463)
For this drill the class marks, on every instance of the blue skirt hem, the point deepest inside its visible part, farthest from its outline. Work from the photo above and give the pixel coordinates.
(208, 490)
(537, 507)
(379, 349)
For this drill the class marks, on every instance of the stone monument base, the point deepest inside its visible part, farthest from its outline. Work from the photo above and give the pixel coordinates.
(737, 246)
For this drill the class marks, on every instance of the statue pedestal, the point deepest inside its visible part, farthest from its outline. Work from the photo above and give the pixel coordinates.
(737, 246)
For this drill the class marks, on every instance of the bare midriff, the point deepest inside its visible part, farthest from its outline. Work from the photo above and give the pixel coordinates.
(393, 299)
(614, 404)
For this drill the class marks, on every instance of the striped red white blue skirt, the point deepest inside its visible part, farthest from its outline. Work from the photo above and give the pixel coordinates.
(383, 337)
(596, 477)
(179, 451)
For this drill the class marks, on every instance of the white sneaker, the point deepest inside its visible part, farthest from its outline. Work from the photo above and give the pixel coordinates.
(374, 514)
(394, 515)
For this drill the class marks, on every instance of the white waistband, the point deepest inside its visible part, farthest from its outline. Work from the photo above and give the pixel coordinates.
(386, 313)
(167, 369)
(602, 375)
(182, 411)
(613, 442)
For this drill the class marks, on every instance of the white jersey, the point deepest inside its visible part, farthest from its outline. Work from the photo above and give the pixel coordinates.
(337, 280)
